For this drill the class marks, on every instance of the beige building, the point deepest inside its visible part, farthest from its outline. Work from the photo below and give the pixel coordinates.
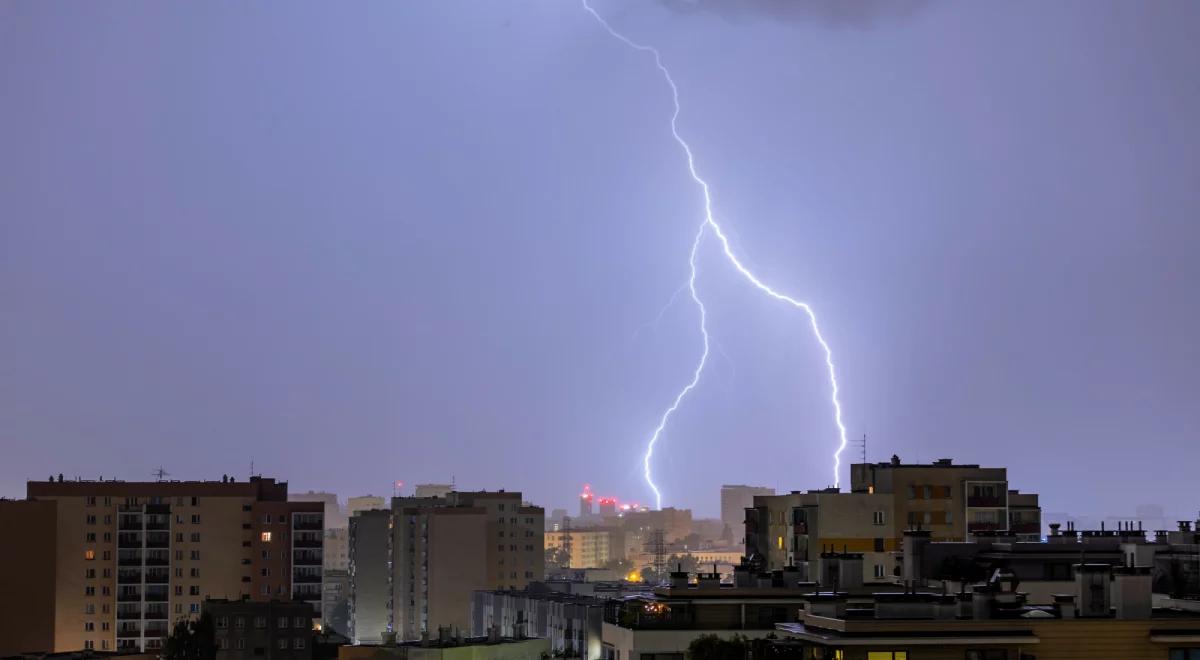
(952, 501)
(794, 529)
(129, 558)
(591, 547)
(446, 548)
(364, 503)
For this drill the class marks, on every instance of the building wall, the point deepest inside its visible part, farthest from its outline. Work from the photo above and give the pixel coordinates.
(590, 548)
(734, 502)
(631, 644)
(246, 630)
(27, 611)
(526, 649)
(370, 575)
(459, 546)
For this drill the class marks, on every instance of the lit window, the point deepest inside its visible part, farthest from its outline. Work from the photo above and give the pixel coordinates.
(266, 537)
(779, 543)
(887, 655)
(89, 554)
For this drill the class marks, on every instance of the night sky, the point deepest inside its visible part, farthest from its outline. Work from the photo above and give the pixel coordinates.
(363, 242)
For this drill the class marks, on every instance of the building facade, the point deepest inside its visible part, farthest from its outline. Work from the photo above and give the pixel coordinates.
(572, 623)
(591, 547)
(246, 629)
(735, 499)
(131, 557)
(370, 576)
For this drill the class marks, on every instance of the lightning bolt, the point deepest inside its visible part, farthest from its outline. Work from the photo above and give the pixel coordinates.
(710, 223)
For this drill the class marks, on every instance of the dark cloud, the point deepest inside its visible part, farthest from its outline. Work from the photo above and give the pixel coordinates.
(842, 13)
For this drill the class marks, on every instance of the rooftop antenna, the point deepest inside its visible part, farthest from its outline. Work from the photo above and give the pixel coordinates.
(160, 473)
(251, 468)
(864, 447)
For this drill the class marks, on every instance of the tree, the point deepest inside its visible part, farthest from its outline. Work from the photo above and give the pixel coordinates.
(712, 647)
(192, 639)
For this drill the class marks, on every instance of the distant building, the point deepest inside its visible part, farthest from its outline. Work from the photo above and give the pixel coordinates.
(369, 576)
(334, 517)
(246, 630)
(433, 490)
(447, 548)
(573, 624)
(337, 549)
(608, 507)
(364, 503)
(591, 547)
(735, 499)
(131, 557)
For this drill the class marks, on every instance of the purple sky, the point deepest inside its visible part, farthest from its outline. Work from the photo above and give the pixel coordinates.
(375, 241)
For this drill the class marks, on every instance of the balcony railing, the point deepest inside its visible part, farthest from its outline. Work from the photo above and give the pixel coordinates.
(158, 576)
(307, 543)
(983, 527)
(308, 525)
(128, 614)
(985, 501)
(128, 597)
(158, 561)
(156, 598)
(1025, 528)
(129, 577)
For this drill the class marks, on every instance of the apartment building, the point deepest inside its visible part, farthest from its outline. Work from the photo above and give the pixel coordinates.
(591, 547)
(447, 548)
(571, 622)
(952, 501)
(131, 557)
(793, 530)
(27, 622)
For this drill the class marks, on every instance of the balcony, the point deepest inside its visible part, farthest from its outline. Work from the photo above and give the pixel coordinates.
(307, 543)
(128, 524)
(156, 598)
(302, 525)
(158, 576)
(129, 630)
(158, 561)
(985, 501)
(129, 577)
(129, 561)
(156, 630)
(156, 613)
(126, 614)
(128, 597)
(159, 525)
(973, 527)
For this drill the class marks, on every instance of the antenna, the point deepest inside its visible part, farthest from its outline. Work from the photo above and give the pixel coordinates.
(864, 447)
(160, 473)
(251, 469)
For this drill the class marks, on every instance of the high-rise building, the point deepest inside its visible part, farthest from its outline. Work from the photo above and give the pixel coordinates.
(735, 499)
(446, 548)
(370, 575)
(334, 518)
(131, 557)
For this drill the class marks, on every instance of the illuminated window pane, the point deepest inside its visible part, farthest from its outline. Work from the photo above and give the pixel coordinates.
(89, 555)
(266, 536)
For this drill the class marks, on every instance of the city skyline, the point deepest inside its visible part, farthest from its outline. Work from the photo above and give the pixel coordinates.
(426, 243)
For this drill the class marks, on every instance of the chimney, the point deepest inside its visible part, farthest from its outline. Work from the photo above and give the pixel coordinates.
(983, 601)
(1054, 528)
(1065, 604)
(742, 577)
(913, 548)
(679, 579)
(1093, 594)
(1131, 592)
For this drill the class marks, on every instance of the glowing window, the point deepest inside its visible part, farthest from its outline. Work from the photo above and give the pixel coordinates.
(779, 543)
(89, 555)
(266, 537)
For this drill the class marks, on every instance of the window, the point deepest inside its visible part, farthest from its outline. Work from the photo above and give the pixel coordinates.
(91, 501)
(91, 573)
(195, 537)
(240, 622)
(195, 502)
(283, 643)
(222, 622)
(194, 608)
(106, 572)
(89, 644)
(301, 623)
(104, 591)
(912, 492)
(179, 608)
(179, 572)
(260, 622)
(266, 572)
(103, 625)
(194, 590)
(887, 655)
(223, 643)
(266, 590)
(195, 572)
(88, 626)
(779, 543)
(266, 554)
(195, 554)
(91, 520)
(1186, 654)
(949, 518)
(91, 537)
(108, 537)
(298, 643)
(283, 622)
(90, 608)
(179, 590)
(879, 518)
(89, 554)
(107, 520)
(240, 644)
(266, 537)
(879, 545)
(195, 519)
(281, 519)
(179, 555)
(107, 555)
